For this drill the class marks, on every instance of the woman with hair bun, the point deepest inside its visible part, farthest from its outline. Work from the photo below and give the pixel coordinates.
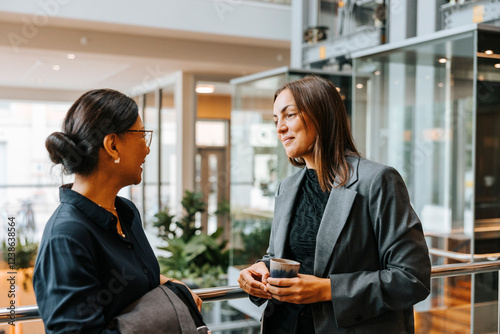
(347, 220)
(94, 258)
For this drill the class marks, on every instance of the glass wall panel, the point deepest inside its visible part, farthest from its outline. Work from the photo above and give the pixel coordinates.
(151, 167)
(431, 110)
(414, 111)
(255, 171)
(29, 182)
(168, 148)
(450, 313)
(487, 177)
(29, 192)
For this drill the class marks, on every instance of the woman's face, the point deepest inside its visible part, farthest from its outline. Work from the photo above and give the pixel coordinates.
(297, 138)
(136, 150)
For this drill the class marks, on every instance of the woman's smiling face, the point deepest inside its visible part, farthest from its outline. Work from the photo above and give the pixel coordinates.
(297, 138)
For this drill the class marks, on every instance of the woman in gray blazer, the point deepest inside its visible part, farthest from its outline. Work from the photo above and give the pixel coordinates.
(347, 220)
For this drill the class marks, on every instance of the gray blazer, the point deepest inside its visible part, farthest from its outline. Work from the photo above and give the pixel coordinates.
(370, 244)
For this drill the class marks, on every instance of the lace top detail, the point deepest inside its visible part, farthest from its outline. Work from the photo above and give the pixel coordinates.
(309, 208)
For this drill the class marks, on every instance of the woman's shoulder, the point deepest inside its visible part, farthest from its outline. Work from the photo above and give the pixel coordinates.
(368, 167)
(67, 221)
(372, 171)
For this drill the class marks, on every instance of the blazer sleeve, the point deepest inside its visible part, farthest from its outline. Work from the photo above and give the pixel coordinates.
(403, 278)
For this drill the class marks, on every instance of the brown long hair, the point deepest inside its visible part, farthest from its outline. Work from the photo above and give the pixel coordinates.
(319, 99)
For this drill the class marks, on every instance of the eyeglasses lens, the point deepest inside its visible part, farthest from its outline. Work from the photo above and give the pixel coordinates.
(149, 137)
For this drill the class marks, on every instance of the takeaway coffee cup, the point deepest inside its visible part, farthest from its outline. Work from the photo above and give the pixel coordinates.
(283, 268)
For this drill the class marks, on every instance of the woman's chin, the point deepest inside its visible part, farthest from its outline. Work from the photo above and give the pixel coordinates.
(137, 181)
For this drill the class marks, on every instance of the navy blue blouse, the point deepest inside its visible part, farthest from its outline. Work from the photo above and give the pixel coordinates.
(85, 272)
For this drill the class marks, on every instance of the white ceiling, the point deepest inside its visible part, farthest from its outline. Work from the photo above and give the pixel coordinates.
(114, 58)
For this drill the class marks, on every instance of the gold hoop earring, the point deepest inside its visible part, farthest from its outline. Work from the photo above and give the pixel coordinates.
(117, 161)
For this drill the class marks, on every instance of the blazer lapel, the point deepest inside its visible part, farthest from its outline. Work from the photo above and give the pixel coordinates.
(333, 221)
(334, 218)
(283, 212)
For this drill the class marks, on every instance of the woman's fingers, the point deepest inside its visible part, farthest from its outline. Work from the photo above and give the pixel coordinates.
(251, 280)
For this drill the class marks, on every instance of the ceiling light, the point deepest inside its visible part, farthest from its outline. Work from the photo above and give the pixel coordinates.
(56, 67)
(376, 72)
(489, 52)
(70, 56)
(359, 86)
(443, 60)
(497, 65)
(205, 89)
(440, 85)
(84, 40)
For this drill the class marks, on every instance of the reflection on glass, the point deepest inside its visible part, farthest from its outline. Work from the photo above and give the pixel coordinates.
(450, 312)
(416, 114)
(431, 111)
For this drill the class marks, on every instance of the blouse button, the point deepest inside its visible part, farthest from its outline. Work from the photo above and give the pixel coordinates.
(145, 271)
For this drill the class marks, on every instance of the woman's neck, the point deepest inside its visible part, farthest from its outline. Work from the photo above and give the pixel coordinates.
(96, 188)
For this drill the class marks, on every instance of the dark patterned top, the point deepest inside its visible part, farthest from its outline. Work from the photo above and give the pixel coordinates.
(309, 208)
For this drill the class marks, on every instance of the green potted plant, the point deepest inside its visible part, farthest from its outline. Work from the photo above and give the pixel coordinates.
(196, 258)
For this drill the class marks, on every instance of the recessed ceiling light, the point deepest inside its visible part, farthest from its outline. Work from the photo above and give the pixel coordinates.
(84, 40)
(497, 65)
(359, 86)
(489, 52)
(440, 85)
(443, 60)
(71, 56)
(205, 89)
(376, 72)
(56, 67)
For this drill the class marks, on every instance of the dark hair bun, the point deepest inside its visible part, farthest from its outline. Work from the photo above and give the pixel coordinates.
(90, 119)
(63, 150)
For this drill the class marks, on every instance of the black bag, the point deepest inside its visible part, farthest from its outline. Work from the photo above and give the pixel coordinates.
(168, 308)
(185, 295)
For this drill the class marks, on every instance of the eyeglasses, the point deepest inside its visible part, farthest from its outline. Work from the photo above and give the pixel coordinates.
(148, 135)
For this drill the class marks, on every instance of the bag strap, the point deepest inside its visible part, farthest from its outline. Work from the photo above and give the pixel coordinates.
(185, 295)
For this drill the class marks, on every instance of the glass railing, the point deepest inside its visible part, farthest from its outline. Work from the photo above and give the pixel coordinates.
(438, 311)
